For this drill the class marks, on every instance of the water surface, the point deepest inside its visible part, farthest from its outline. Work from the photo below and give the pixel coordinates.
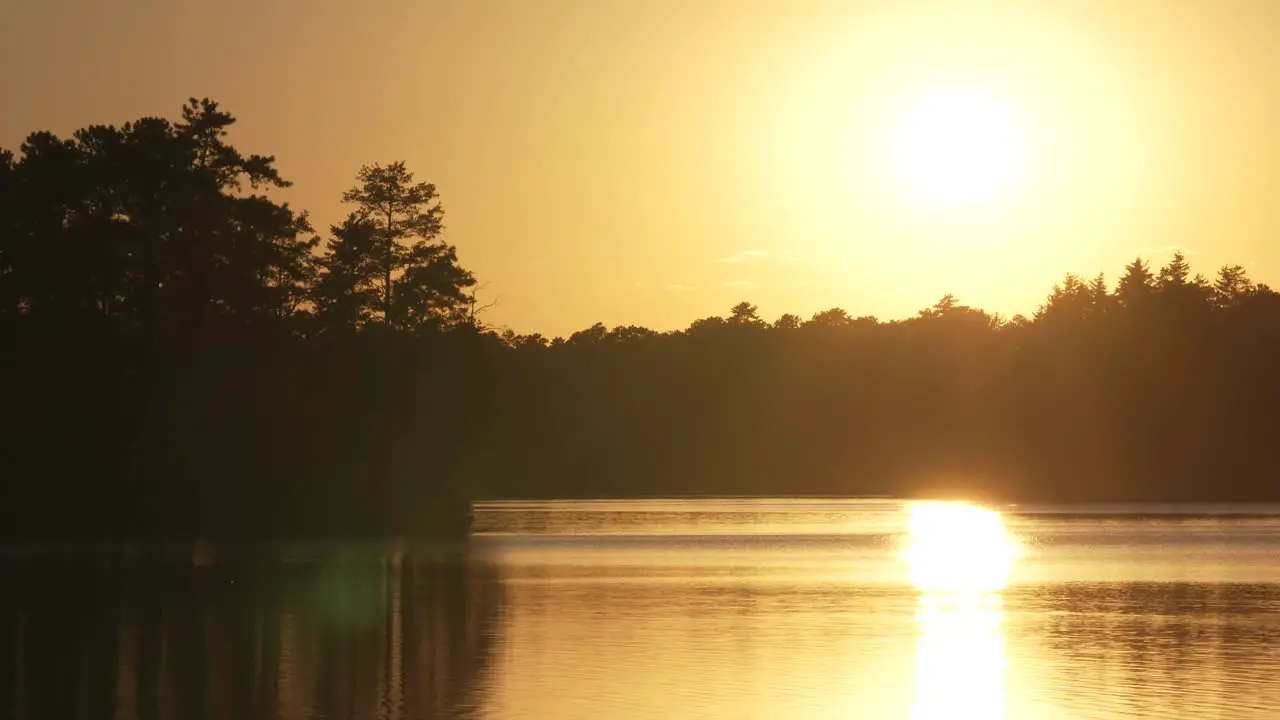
(779, 609)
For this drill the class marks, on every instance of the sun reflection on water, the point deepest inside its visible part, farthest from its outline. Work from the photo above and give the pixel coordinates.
(959, 556)
(960, 659)
(955, 547)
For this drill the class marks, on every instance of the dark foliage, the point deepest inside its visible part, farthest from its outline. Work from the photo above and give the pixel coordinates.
(1161, 390)
(180, 361)
(185, 359)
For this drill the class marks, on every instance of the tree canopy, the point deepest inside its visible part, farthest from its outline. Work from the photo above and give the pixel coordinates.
(184, 353)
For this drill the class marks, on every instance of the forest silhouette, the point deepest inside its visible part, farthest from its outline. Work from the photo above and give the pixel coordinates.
(184, 355)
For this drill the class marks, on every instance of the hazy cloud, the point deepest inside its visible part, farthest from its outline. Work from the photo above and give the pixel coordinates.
(743, 256)
(740, 284)
(678, 288)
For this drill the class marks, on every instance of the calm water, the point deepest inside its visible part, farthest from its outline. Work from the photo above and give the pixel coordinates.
(647, 609)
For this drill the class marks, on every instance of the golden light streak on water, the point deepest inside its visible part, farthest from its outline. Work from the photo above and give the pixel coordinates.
(960, 556)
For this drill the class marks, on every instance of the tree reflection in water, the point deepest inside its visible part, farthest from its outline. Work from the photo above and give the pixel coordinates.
(353, 631)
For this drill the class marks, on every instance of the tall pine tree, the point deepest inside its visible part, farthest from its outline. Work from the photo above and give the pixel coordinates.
(417, 276)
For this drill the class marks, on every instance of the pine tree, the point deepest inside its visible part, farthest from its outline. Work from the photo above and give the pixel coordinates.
(419, 276)
(1231, 286)
(1136, 284)
(346, 294)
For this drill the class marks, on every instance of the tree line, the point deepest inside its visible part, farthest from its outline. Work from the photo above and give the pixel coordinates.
(148, 230)
(187, 354)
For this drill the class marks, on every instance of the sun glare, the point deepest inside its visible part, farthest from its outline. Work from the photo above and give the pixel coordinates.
(956, 147)
(956, 547)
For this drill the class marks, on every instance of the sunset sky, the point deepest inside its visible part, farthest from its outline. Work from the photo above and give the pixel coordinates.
(654, 161)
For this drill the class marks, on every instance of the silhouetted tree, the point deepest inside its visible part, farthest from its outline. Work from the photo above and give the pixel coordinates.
(10, 297)
(787, 321)
(147, 226)
(948, 303)
(744, 313)
(630, 333)
(181, 360)
(1099, 295)
(1231, 286)
(1136, 284)
(1071, 300)
(153, 292)
(1174, 274)
(421, 281)
(591, 336)
(1184, 296)
(834, 318)
(345, 291)
(707, 324)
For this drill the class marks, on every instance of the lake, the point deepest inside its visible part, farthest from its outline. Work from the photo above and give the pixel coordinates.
(716, 609)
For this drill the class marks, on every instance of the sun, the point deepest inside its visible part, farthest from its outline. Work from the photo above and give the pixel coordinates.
(956, 147)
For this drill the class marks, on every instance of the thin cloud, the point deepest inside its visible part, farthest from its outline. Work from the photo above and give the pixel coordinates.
(740, 284)
(678, 288)
(743, 256)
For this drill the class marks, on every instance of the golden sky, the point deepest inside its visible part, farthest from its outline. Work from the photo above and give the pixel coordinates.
(654, 161)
